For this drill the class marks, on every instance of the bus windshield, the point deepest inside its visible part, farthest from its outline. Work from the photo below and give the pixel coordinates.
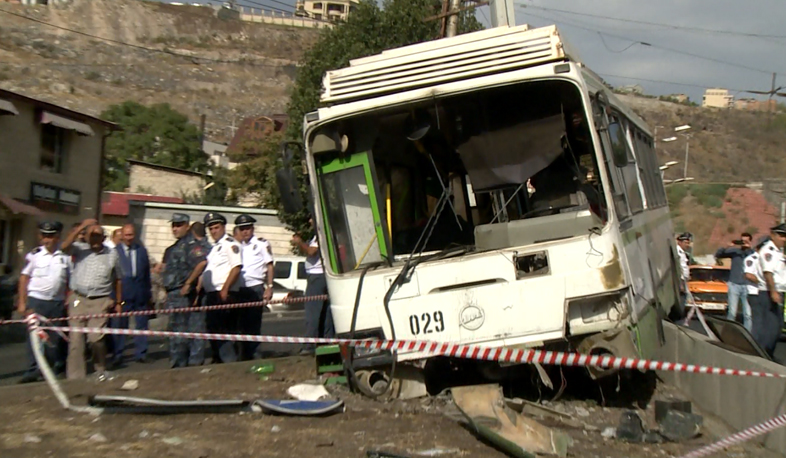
(492, 168)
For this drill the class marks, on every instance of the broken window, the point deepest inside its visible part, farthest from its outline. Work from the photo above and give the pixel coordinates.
(501, 167)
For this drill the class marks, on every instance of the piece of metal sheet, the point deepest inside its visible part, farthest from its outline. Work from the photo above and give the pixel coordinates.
(65, 123)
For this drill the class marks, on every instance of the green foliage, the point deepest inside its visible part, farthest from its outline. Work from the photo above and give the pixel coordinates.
(675, 193)
(157, 134)
(709, 195)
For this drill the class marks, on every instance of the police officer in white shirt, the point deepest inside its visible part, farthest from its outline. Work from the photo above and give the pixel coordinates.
(42, 288)
(755, 277)
(220, 281)
(256, 278)
(683, 245)
(319, 319)
(773, 266)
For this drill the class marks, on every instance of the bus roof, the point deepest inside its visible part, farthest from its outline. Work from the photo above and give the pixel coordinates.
(495, 50)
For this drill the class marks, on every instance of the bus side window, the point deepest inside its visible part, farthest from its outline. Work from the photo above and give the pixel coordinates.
(629, 173)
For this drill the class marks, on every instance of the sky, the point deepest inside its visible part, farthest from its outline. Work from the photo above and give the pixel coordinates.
(613, 48)
(674, 59)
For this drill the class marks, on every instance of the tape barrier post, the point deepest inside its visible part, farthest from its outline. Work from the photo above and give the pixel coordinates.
(34, 328)
(740, 437)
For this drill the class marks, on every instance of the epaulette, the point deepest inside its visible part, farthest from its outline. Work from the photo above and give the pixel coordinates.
(230, 239)
(35, 250)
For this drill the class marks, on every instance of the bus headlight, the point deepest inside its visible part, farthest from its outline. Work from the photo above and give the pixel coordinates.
(595, 309)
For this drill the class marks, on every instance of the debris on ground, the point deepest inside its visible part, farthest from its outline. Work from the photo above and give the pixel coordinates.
(512, 432)
(307, 392)
(130, 385)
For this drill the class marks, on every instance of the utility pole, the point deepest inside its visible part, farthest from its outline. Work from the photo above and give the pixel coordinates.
(453, 18)
(687, 150)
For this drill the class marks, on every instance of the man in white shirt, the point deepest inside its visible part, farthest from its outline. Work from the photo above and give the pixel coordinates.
(221, 285)
(42, 288)
(755, 278)
(683, 245)
(773, 265)
(319, 319)
(257, 281)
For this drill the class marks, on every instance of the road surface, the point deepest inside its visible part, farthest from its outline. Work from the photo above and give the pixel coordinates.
(13, 352)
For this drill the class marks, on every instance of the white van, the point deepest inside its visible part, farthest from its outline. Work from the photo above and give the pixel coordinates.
(290, 272)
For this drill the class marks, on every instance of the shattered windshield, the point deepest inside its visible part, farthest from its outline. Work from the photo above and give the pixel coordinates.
(497, 167)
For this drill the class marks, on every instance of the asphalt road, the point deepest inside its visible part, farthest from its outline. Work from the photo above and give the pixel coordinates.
(13, 351)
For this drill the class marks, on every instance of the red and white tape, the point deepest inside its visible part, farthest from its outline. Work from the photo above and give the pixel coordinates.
(201, 308)
(737, 438)
(477, 352)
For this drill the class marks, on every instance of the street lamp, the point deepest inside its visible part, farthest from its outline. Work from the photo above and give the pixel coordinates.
(680, 130)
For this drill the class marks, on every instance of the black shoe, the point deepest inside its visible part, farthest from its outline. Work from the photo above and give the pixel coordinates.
(30, 378)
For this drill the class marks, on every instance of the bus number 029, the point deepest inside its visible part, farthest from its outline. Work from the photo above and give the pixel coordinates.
(426, 323)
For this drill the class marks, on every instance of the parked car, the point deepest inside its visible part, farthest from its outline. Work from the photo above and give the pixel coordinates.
(280, 293)
(707, 285)
(290, 272)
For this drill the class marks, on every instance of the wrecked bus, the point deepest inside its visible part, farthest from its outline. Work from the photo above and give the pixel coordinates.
(488, 189)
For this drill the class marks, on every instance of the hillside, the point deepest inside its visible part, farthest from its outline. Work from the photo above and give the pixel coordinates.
(237, 69)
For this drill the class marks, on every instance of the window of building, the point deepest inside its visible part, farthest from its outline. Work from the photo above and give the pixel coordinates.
(335, 7)
(316, 6)
(318, 17)
(53, 148)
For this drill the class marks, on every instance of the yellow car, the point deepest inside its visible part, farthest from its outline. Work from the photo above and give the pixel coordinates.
(707, 285)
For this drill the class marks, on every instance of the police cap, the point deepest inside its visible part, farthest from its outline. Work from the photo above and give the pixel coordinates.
(685, 236)
(180, 218)
(780, 229)
(50, 227)
(244, 220)
(213, 218)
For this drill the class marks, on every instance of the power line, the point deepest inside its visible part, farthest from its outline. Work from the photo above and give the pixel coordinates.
(606, 75)
(131, 45)
(644, 43)
(657, 24)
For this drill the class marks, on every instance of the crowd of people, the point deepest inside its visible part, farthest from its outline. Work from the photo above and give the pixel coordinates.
(756, 285)
(82, 273)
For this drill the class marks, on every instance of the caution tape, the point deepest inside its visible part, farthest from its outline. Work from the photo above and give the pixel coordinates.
(737, 438)
(528, 356)
(202, 308)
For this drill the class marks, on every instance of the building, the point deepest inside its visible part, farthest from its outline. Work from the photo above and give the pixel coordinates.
(717, 98)
(631, 89)
(156, 230)
(678, 98)
(217, 153)
(115, 207)
(160, 180)
(756, 105)
(253, 131)
(334, 10)
(51, 161)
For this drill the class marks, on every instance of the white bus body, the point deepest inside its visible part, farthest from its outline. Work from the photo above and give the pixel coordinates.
(504, 144)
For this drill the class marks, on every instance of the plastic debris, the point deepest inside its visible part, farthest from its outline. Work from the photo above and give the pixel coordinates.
(98, 437)
(31, 439)
(307, 392)
(130, 385)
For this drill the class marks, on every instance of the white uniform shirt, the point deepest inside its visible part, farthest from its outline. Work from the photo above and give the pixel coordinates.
(223, 257)
(753, 266)
(48, 274)
(685, 270)
(314, 263)
(257, 254)
(771, 259)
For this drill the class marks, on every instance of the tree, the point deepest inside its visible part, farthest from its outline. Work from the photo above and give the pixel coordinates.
(157, 134)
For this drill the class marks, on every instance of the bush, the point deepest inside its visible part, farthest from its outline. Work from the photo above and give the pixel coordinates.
(675, 194)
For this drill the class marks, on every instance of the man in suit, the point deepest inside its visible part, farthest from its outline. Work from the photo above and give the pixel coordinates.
(137, 292)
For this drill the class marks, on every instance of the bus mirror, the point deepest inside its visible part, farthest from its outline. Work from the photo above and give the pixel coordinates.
(290, 150)
(618, 151)
(289, 190)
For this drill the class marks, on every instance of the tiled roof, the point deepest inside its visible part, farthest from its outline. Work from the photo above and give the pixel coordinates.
(116, 203)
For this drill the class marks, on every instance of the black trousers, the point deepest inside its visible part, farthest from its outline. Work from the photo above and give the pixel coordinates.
(250, 319)
(768, 322)
(222, 322)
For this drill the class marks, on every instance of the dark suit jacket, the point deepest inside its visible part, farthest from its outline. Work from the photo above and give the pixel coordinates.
(137, 289)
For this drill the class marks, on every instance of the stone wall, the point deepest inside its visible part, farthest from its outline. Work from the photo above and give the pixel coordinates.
(152, 219)
(161, 182)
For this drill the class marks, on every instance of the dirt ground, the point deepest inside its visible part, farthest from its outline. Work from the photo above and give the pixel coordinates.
(34, 425)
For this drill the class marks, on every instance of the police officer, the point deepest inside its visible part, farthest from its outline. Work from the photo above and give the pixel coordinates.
(755, 281)
(683, 245)
(256, 278)
(221, 285)
(42, 288)
(773, 266)
(183, 263)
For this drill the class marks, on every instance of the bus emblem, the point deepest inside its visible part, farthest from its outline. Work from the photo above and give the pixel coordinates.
(471, 317)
